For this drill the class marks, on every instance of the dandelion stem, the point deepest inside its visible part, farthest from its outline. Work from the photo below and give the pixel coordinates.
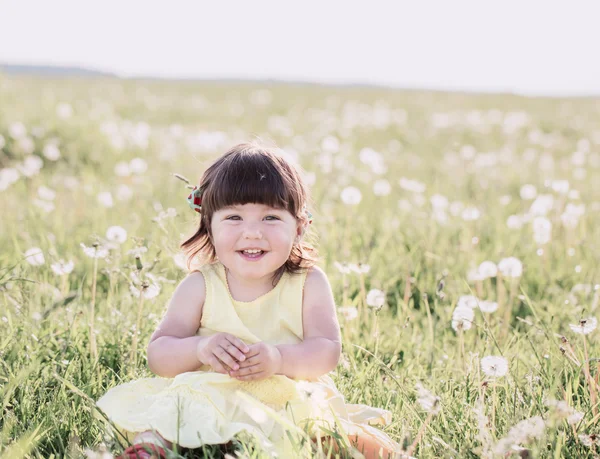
(363, 298)
(137, 330)
(93, 349)
(589, 379)
(419, 435)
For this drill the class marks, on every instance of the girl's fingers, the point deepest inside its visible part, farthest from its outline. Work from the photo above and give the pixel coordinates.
(245, 371)
(251, 377)
(235, 352)
(250, 361)
(237, 343)
(224, 357)
(217, 365)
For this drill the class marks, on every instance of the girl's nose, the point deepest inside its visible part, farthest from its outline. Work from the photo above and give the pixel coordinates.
(252, 232)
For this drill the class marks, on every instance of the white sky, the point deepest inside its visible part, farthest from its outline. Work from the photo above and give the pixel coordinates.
(524, 46)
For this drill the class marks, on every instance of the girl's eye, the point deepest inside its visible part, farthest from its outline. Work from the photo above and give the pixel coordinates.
(273, 217)
(232, 217)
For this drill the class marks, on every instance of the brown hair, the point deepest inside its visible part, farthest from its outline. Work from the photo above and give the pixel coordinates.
(251, 173)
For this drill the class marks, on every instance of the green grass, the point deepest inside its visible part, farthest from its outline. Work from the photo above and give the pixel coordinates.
(49, 380)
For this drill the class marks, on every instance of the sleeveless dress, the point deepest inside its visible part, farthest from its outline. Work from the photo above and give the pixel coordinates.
(204, 407)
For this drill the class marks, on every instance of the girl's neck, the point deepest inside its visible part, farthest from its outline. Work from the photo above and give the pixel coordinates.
(247, 290)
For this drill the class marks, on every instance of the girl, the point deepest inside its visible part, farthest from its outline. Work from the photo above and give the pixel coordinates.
(248, 337)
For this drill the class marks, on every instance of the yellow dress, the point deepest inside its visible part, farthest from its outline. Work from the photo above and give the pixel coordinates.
(204, 407)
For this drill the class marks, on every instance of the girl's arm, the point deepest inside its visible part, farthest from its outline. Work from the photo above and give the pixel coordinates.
(173, 346)
(320, 351)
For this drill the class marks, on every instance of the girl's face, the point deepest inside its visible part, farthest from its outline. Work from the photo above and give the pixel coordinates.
(253, 227)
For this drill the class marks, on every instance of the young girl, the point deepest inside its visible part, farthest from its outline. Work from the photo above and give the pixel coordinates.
(249, 337)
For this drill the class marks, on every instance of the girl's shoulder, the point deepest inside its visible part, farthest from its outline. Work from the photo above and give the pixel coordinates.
(316, 281)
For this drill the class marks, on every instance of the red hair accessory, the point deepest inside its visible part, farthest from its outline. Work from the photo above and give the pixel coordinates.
(195, 199)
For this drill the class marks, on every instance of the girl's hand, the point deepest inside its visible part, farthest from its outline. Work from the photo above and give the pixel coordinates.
(262, 361)
(222, 351)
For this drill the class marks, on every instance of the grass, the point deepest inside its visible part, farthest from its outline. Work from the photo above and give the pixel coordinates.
(473, 149)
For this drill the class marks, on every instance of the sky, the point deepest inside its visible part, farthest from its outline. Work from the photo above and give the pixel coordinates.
(526, 47)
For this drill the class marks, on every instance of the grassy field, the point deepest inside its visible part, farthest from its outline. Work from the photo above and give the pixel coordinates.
(446, 197)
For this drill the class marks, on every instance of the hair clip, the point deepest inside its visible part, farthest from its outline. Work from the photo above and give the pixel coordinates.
(195, 199)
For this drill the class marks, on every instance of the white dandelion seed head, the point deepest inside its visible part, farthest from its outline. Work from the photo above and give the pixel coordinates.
(510, 267)
(560, 186)
(488, 269)
(348, 312)
(138, 166)
(51, 152)
(494, 366)
(382, 187)
(462, 318)
(470, 214)
(467, 301)
(585, 326)
(46, 193)
(515, 222)
(116, 234)
(488, 306)
(542, 205)
(122, 169)
(31, 166)
(343, 268)
(351, 196)
(94, 252)
(475, 275)
(528, 192)
(413, 186)
(8, 176)
(359, 268)
(180, 261)
(35, 256)
(124, 192)
(439, 201)
(428, 401)
(105, 199)
(62, 267)
(375, 298)
(64, 110)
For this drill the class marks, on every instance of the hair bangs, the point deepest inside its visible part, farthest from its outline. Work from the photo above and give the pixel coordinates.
(250, 179)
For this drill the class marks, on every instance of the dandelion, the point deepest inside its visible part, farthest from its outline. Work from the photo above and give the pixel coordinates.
(348, 312)
(35, 256)
(51, 152)
(31, 166)
(180, 261)
(470, 214)
(542, 230)
(116, 234)
(138, 166)
(488, 306)
(122, 169)
(462, 318)
(585, 326)
(488, 269)
(311, 391)
(438, 201)
(514, 222)
(124, 193)
(105, 199)
(427, 400)
(382, 187)
(138, 251)
(522, 432)
(494, 366)
(528, 192)
(17, 130)
(411, 185)
(96, 251)
(64, 110)
(62, 268)
(8, 176)
(150, 290)
(542, 205)
(510, 267)
(343, 268)
(376, 298)
(360, 268)
(351, 196)
(467, 301)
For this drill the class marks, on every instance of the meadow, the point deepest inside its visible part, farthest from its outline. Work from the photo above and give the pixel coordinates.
(460, 233)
